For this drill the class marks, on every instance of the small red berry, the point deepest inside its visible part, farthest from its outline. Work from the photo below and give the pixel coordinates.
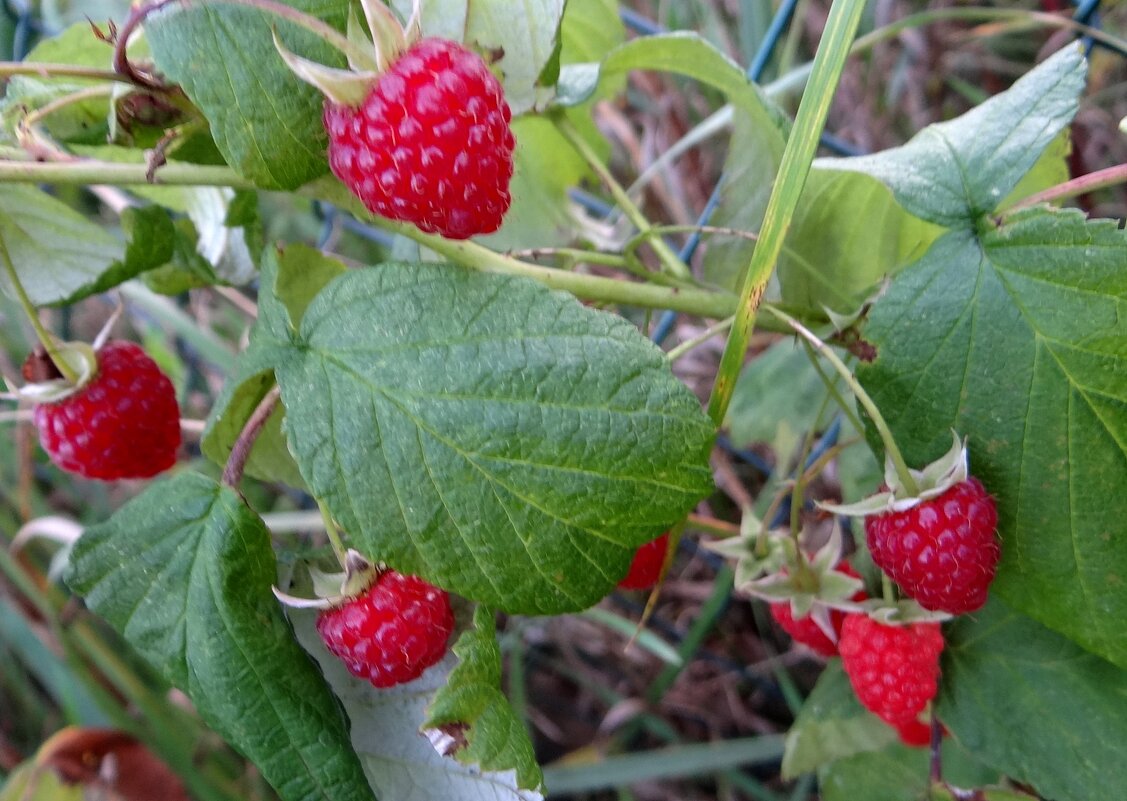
(390, 633)
(914, 733)
(430, 144)
(894, 670)
(805, 630)
(125, 423)
(646, 568)
(943, 551)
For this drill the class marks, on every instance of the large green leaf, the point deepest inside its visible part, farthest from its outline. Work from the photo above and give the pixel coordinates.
(1017, 340)
(266, 122)
(472, 702)
(1030, 702)
(61, 256)
(499, 439)
(399, 762)
(952, 172)
(900, 773)
(184, 572)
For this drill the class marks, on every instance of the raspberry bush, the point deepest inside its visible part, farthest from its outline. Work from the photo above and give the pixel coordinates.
(469, 422)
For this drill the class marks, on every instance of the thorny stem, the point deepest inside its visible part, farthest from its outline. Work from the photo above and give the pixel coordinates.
(240, 452)
(670, 260)
(893, 451)
(1101, 179)
(123, 66)
(29, 309)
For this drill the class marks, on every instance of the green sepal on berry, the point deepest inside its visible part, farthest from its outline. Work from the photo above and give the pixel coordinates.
(819, 584)
(332, 589)
(932, 481)
(44, 384)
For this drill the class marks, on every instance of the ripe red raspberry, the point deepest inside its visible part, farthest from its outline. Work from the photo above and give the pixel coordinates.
(646, 567)
(430, 144)
(893, 669)
(390, 633)
(942, 552)
(805, 630)
(125, 423)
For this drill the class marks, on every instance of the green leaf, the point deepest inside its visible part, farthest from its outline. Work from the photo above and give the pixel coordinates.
(1016, 341)
(399, 762)
(832, 725)
(303, 274)
(60, 256)
(952, 172)
(1032, 703)
(545, 166)
(472, 698)
(899, 773)
(184, 572)
(84, 121)
(848, 235)
(523, 33)
(497, 438)
(266, 122)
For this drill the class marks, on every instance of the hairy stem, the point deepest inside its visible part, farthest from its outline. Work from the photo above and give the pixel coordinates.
(29, 309)
(1101, 179)
(240, 452)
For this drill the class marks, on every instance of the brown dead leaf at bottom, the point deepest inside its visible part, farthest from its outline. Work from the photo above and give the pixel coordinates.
(111, 761)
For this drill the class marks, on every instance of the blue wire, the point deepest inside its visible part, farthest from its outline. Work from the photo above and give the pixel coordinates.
(1086, 14)
(638, 23)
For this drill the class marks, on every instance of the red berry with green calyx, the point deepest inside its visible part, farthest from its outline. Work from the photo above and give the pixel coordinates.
(122, 421)
(943, 551)
(806, 630)
(935, 534)
(418, 128)
(894, 670)
(390, 632)
(430, 144)
(645, 569)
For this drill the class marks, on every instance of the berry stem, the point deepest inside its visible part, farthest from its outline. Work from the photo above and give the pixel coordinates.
(45, 337)
(240, 452)
(936, 744)
(673, 354)
(1101, 179)
(669, 260)
(831, 387)
(902, 472)
(333, 533)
